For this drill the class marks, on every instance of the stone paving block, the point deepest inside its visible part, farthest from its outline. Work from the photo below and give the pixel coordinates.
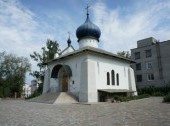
(144, 112)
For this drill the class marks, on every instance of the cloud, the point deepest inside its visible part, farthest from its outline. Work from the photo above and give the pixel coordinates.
(24, 31)
(16, 25)
(20, 33)
(122, 27)
(58, 23)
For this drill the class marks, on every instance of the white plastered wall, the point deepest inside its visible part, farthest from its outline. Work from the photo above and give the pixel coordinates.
(106, 64)
(74, 81)
(89, 74)
(88, 42)
(132, 84)
(46, 86)
(88, 91)
(94, 76)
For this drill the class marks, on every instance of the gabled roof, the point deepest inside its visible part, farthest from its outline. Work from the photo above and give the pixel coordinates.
(92, 50)
(66, 49)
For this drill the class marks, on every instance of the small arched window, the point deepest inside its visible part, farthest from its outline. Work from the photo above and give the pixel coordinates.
(117, 78)
(108, 78)
(113, 77)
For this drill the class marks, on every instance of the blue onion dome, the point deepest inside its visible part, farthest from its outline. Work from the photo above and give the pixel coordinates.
(88, 29)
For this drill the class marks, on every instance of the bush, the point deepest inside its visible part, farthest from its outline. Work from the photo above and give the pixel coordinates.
(129, 98)
(167, 98)
(142, 96)
(116, 97)
(1, 92)
(35, 94)
(7, 92)
(154, 91)
(158, 94)
(125, 99)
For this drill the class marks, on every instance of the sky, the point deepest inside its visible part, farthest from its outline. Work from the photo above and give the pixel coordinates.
(25, 25)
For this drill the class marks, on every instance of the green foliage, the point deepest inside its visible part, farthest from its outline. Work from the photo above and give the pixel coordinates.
(1, 92)
(35, 94)
(125, 54)
(155, 91)
(129, 98)
(158, 94)
(125, 99)
(40, 88)
(47, 53)
(167, 98)
(12, 74)
(52, 49)
(141, 96)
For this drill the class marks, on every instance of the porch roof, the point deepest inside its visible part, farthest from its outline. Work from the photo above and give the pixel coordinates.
(115, 90)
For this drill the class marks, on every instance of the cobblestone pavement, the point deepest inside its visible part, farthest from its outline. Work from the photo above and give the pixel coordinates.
(144, 112)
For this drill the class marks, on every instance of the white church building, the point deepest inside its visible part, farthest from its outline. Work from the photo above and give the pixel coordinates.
(90, 74)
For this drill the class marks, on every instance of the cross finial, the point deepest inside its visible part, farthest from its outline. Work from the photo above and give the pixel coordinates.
(68, 34)
(87, 8)
(69, 40)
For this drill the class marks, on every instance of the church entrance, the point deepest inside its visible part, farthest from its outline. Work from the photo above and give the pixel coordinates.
(64, 83)
(63, 80)
(62, 73)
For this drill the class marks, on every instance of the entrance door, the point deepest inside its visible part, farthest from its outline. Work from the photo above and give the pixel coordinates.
(65, 83)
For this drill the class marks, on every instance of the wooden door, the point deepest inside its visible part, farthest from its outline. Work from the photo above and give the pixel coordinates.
(65, 84)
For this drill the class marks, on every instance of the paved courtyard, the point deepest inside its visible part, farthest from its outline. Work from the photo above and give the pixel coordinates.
(144, 112)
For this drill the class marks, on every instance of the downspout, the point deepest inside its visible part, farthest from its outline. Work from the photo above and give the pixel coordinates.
(159, 60)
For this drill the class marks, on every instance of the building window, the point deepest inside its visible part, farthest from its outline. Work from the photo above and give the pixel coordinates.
(139, 78)
(150, 77)
(148, 53)
(149, 65)
(108, 78)
(137, 55)
(138, 66)
(117, 78)
(113, 77)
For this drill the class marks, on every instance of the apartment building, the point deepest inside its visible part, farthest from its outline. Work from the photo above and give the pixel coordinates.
(26, 90)
(152, 67)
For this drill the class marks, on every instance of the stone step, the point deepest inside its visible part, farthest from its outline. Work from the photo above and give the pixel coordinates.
(65, 97)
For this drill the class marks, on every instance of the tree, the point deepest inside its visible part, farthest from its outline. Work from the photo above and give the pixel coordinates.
(125, 54)
(12, 74)
(47, 53)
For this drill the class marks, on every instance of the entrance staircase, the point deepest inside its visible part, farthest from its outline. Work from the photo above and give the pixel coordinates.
(55, 98)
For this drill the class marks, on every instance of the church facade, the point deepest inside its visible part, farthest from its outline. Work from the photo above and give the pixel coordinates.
(89, 73)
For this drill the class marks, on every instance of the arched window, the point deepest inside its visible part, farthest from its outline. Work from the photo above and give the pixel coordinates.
(113, 77)
(117, 78)
(108, 78)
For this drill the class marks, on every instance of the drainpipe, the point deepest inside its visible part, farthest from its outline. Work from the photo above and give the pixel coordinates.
(159, 60)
